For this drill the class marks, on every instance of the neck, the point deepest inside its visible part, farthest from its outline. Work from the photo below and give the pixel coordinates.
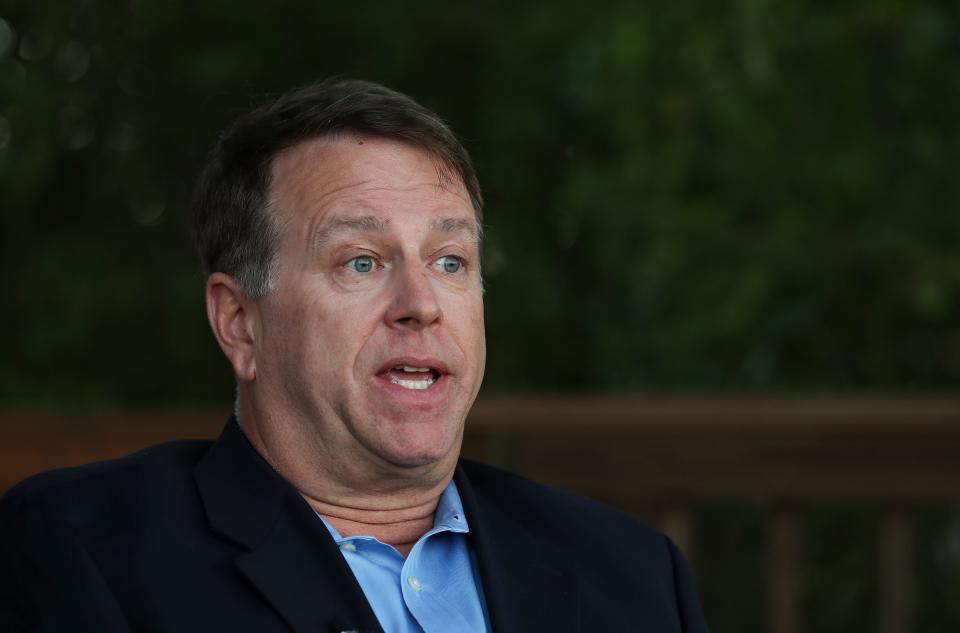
(400, 526)
(394, 505)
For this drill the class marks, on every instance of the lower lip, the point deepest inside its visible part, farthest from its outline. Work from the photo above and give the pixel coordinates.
(432, 396)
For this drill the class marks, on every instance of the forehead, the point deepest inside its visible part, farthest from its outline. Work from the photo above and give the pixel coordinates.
(354, 174)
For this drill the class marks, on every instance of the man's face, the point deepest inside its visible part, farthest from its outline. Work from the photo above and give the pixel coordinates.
(372, 338)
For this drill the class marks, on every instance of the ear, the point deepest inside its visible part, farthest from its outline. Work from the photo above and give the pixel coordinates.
(232, 317)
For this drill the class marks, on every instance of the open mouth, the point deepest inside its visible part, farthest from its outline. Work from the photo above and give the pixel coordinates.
(412, 377)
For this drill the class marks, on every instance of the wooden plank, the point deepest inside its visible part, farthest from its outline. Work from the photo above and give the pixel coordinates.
(34, 441)
(630, 449)
(692, 412)
(738, 464)
(897, 579)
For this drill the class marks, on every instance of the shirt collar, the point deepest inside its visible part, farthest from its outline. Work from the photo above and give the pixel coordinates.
(450, 514)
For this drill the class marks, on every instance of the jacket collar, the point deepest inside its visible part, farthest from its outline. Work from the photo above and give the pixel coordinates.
(285, 550)
(526, 584)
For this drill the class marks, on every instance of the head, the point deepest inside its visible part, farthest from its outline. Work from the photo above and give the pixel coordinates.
(339, 226)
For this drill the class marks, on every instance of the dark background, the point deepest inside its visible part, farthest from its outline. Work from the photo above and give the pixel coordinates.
(742, 197)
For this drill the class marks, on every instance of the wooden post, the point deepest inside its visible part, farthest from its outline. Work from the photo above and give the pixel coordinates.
(783, 573)
(897, 590)
(678, 525)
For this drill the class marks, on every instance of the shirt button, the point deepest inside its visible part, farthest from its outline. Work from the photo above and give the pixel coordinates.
(414, 583)
(349, 547)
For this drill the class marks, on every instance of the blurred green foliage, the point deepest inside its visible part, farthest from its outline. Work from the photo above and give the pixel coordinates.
(743, 195)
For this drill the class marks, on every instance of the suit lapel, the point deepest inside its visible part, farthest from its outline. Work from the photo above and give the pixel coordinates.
(303, 575)
(287, 553)
(526, 585)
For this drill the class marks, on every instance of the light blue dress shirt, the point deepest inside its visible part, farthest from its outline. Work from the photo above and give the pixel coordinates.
(435, 589)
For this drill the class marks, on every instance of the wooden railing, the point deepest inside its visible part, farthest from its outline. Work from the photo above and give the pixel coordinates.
(658, 458)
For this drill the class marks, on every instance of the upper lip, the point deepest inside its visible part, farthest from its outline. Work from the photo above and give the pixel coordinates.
(435, 364)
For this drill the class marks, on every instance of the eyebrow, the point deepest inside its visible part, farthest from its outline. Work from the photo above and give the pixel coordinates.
(373, 224)
(456, 225)
(363, 224)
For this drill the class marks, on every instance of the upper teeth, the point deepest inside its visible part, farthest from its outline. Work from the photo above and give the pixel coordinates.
(413, 384)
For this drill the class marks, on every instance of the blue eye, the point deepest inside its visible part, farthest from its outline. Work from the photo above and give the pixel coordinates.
(361, 264)
(450, 264)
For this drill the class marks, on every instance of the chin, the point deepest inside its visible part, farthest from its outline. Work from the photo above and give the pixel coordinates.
(411, 458)
(409, 453)
(412, 461)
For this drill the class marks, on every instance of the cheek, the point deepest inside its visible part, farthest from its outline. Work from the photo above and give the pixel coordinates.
(468, 319)
(286, 338)
(475, 318)
(299, 333)
(343, 328)
(481, 346)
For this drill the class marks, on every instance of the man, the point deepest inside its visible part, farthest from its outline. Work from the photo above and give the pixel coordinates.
(340, 229)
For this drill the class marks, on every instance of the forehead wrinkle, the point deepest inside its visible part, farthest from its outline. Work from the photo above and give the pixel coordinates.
(303, 191)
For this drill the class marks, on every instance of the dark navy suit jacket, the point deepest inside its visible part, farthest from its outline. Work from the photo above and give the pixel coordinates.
(194, 536)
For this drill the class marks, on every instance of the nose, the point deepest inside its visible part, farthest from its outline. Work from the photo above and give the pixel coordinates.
(414, 304)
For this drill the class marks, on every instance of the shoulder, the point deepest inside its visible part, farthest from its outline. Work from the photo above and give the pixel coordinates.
(93, 489)
(83, 536)
(548, 509)
(626, 570)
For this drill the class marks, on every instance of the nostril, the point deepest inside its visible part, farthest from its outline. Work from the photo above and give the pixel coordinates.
(413, 319)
